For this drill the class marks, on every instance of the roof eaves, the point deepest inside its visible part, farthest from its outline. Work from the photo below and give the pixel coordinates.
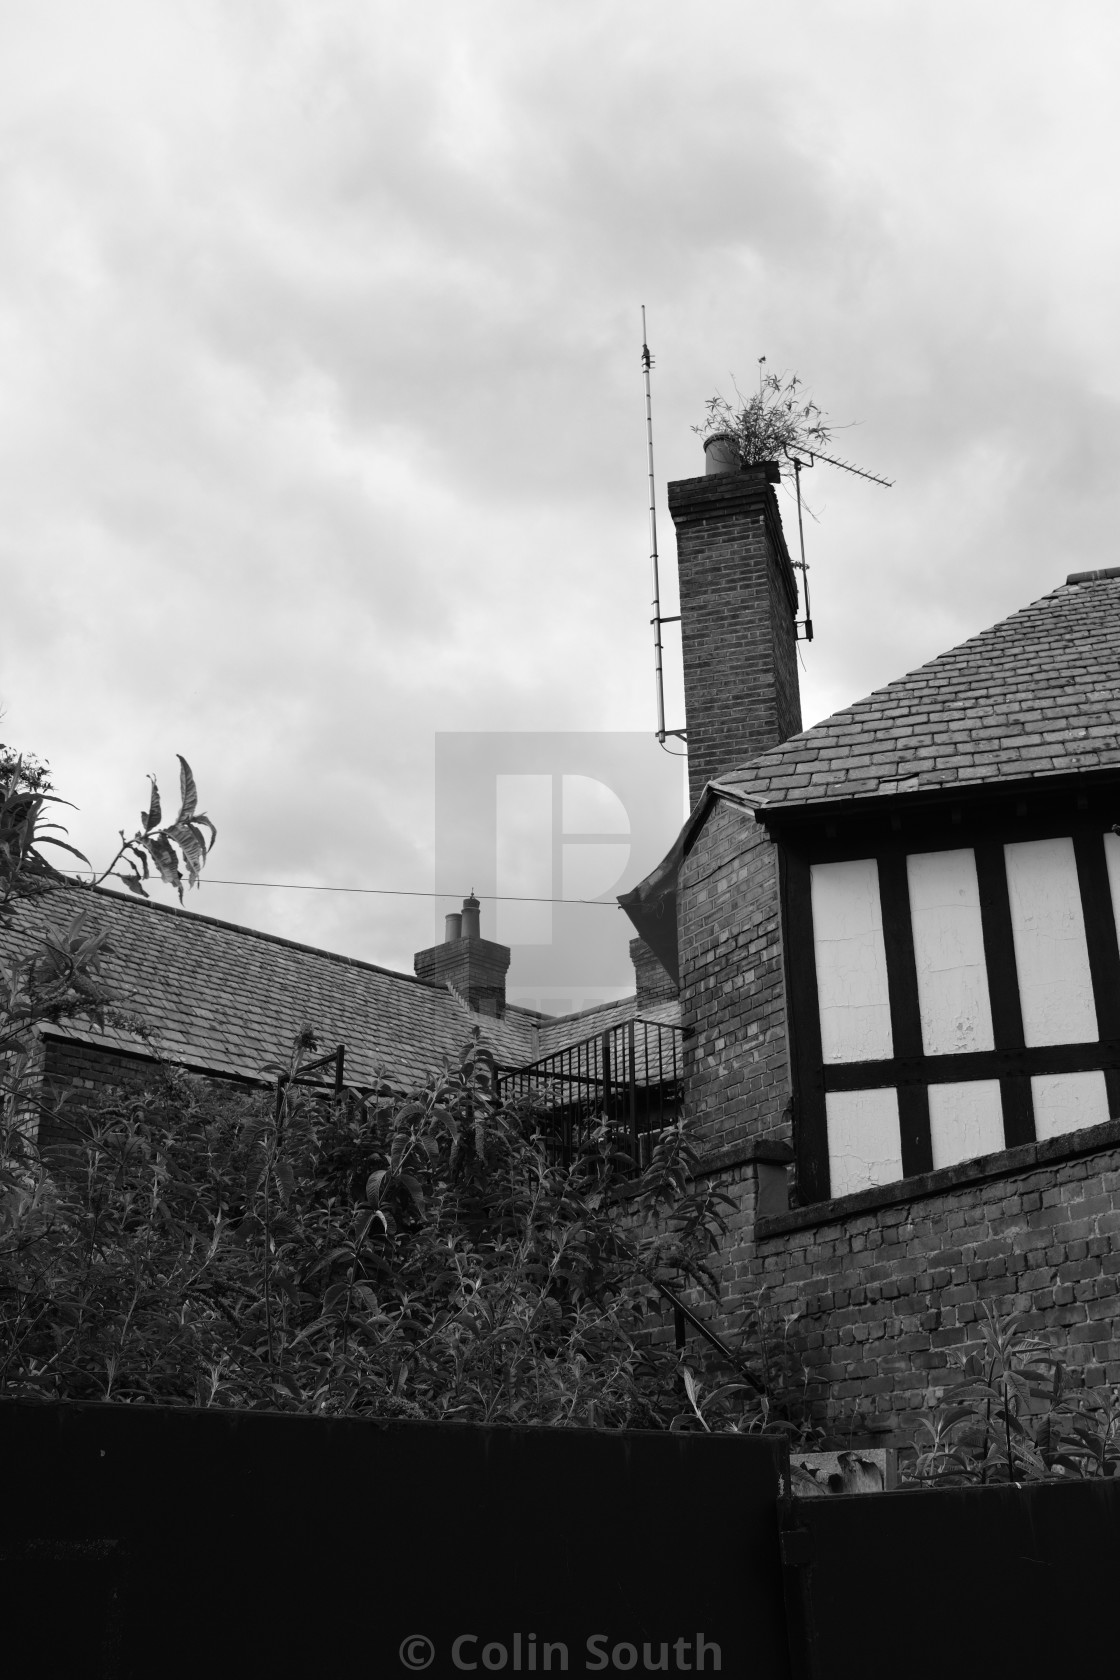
(973, 785)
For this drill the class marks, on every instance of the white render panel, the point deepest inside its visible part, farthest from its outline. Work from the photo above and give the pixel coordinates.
(1112, 858)
(949, 952)
(864, 1142)
(965, 1121)
(851, 962)
(1055, 985)
(1065, 1102)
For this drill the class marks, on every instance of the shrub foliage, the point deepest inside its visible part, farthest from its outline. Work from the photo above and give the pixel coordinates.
(1016, 1413)
(425, 1255)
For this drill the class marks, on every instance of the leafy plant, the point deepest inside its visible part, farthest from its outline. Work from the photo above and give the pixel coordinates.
(426, 1255)
(765, 1385)
(176, 847)
(1016, 1413)
(775, 423)
(56, 973)
(24, 830)
(30, 772)
(25, 793)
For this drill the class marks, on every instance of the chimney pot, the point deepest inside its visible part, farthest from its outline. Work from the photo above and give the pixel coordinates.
(470, 923)
(721, 453)
(452, 927)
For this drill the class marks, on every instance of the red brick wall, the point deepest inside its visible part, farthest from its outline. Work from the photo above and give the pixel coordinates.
(885, 1295)
(80, 1071)
(733, 989)
(880, 1299)
(71, 1065)
(83, 1071)
(738, 612)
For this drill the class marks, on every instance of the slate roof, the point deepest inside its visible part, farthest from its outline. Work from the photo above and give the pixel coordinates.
(229, 999)
(1036, 695)
(558, 1031)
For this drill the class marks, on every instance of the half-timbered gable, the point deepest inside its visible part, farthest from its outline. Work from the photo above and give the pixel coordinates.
(951, 938)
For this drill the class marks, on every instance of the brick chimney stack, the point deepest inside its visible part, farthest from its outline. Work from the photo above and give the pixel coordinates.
(738, 616)
(472, 966)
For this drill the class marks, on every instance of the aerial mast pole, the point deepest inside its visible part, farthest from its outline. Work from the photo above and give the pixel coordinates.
(656, 620)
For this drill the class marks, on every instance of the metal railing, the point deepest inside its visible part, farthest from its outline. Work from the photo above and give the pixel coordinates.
(631, 1076)
(337, 1056)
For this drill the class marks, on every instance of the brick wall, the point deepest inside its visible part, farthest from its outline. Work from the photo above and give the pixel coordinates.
(881, 1296)
(885, 1295)
(738, 612)
(884, 1284)
(71, 1065)
(733, 989)
(78, 1072)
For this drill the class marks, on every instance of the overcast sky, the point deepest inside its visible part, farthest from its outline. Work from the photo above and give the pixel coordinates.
(321, 420)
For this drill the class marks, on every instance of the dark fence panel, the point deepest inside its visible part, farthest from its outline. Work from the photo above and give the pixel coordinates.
(143, 1541)
(964, 1582)
(631, 1075)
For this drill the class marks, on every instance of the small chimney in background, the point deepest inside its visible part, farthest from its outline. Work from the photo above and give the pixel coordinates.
(474, 967)
(738, 615)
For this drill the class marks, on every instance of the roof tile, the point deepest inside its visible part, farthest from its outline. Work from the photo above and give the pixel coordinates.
(1037, 694)
(230, 999)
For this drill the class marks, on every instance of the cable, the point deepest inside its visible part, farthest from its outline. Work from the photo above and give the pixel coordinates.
(387, 892)
(404, 892)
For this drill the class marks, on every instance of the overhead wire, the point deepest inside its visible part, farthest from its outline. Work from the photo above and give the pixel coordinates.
(386, 892)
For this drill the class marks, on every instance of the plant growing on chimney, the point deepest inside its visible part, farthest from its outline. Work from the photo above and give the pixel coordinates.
(778, 421)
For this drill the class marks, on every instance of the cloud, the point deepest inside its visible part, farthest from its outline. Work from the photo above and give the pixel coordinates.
(321, 426)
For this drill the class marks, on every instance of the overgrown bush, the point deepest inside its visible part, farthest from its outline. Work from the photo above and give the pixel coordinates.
(197, 1245)
(426, 1256)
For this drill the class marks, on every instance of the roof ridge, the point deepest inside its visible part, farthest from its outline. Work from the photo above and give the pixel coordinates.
(1034, 695)
(532, 1017)
(195, 916)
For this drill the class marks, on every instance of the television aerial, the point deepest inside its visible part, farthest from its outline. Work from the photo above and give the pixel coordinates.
(801, 458)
